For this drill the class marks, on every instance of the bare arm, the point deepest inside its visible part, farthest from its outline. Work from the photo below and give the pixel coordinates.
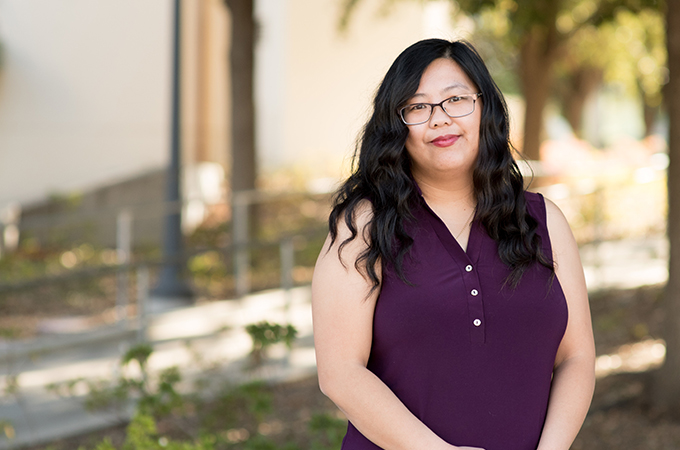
(343, 323)
(574, 373)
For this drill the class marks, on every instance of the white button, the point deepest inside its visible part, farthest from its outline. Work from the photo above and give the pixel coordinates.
(468, 268)
(474, 292)
(477, 322)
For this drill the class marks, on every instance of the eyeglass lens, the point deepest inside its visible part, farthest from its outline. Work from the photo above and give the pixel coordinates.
(421, 112)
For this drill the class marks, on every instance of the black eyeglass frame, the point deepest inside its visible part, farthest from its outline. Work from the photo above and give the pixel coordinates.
(474, 96)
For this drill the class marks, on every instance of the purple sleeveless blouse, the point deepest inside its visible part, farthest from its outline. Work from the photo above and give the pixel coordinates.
(471, 357)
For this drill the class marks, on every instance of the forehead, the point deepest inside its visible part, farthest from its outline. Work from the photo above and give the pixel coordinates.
(443, 76)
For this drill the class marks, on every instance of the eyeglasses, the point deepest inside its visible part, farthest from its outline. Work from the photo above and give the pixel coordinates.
(456, 106)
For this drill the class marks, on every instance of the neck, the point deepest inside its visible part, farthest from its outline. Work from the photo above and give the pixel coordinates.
(448, 191)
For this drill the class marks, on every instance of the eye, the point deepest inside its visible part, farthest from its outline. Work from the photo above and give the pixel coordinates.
(416, 107)
(453, 100)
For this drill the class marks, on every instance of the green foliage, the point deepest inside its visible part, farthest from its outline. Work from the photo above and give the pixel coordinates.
(629, 50)
(139, 353)
(258, 400)
(66, 388)
(142, 434)
(103, 394)
(11, 385)
(209, 271)
(638, 43)
(265, 334)
(230, 420)
(7, 429)
(347, 11)
(157, 397)
(492, 28)
(69, 200)
(104, 445)
(622, 40)
(259, 442)
(248, 403)
(326, 431)
(525, 15)
(9, 332)
(618, 42)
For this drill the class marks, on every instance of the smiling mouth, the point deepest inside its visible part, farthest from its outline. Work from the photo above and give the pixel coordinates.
(445, 141)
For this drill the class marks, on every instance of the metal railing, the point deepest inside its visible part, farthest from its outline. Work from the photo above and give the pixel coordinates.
(240, 250)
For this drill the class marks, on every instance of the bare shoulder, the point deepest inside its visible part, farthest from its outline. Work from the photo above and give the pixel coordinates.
(556, 221)
(362, 215)
(339, 256)
(360, 219)
(561, 236)
(343, 301)
(565, 253)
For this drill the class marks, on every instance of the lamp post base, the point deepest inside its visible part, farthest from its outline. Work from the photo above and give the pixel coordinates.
(171, 285)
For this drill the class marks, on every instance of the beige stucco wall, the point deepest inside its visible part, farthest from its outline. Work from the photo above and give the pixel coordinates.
(85, 85)
(83, 93)
(329, 77)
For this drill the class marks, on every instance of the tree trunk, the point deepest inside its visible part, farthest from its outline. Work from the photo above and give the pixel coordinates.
(537, 55)
(243, 158)
(581, 86)
(666, 388)
(649, 113)
(241, 58)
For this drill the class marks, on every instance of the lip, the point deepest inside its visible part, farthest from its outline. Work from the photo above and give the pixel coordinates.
(446, 140)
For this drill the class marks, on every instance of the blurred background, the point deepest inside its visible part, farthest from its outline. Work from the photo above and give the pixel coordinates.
(166, 170)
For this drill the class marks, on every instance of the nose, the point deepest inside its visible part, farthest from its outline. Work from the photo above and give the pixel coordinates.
(439, 117)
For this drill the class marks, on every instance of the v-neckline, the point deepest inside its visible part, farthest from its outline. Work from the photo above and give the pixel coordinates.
(450, 243)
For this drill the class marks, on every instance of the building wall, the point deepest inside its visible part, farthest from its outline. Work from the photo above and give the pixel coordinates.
(84, 93)
(92, 216)
(327, 78)
(85, 87)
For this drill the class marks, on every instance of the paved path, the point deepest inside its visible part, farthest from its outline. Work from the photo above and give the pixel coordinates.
(192, 338)
(215, 333)
(626, 264)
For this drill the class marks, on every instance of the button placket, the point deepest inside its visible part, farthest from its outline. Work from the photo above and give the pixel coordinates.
(475, 304)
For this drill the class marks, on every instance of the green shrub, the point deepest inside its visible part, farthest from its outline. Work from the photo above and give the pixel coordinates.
(141, 434)
(265, 334)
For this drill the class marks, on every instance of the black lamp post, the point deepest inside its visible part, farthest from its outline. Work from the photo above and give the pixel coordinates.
(170, 282)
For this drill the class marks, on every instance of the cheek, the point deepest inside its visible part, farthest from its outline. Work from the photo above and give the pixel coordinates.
(475, 139)
(475, 129)
(411, 143)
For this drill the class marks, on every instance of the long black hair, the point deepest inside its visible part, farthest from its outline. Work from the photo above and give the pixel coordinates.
(381, 170)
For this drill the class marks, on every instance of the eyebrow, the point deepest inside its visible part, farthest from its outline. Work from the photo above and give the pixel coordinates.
(446, 89)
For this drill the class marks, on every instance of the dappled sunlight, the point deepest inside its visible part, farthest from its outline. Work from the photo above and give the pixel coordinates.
(612, 194)
(615, 201)
(626, 263)
(636, 357)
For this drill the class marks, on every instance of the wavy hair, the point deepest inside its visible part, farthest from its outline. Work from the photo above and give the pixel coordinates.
(381, 171)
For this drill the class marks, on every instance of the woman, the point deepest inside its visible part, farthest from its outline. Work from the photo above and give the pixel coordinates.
(450, 308)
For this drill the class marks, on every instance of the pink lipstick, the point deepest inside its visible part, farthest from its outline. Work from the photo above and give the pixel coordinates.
(446, 140)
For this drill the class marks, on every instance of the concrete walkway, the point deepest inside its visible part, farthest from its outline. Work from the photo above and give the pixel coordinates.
(212, 334)
(625, 264)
